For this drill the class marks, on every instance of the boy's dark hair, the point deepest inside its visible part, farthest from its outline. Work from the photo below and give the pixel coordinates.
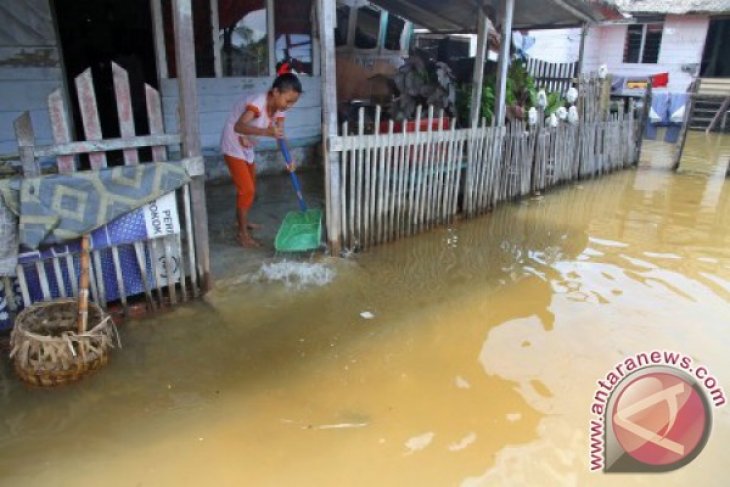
(287, 82)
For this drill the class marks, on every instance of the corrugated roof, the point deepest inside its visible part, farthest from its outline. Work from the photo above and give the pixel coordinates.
(675, 7)
(462, 15)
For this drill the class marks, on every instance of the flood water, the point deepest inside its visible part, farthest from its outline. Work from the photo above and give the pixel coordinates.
(465, 356)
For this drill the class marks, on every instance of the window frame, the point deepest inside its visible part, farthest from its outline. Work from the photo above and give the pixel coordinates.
(383, 29)
(642, 47)
(161, 54)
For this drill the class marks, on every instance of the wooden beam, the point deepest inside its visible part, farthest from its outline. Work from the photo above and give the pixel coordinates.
(271, 36)
(577, 13)
(326, 16)
(508, 7)
(719, 115)
(190, 131)
(90, 146)
(478, 76)
(215, 32)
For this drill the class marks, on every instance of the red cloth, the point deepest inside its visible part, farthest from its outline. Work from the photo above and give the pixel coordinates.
(660, 80)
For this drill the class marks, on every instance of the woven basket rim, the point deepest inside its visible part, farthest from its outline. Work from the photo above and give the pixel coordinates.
(21, 321)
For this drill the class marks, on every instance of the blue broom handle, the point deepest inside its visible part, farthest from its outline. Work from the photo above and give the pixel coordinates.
(294, 179)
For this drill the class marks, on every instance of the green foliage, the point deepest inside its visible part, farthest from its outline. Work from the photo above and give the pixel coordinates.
(463, 103)
(554, 102)
(521, 88)
(521, 92)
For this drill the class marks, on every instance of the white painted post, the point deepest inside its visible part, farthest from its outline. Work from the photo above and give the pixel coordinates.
(326, 10)
(478, 76)
(508, 7)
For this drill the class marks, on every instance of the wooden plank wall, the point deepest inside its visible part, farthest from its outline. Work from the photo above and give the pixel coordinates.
(30, 68)
(216, 97)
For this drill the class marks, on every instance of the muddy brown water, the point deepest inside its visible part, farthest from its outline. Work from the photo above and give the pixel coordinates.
(465, 356)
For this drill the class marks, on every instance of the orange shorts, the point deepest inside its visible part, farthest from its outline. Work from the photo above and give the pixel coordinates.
(244, 178)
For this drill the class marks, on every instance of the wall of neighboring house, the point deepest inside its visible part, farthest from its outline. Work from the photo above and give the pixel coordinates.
(30, 69)
(683, 40)
(555, 45)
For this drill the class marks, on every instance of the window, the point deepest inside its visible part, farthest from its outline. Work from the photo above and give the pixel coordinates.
(368, 28)
(244, 42)
(293, 35)
(642, 43)
(343, 24)
(204, 60)
(394, 33)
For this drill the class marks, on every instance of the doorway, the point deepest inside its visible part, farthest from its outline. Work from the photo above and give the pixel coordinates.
(92, 34)
(715, 61)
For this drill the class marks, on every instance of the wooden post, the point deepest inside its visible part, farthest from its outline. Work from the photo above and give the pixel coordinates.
(270, 37)
(605, 102)
(189, 130)
(508, 7)
(685, 124)
(82, 318)
(326, 17)
(26, 140)
(159, 34)
(642, 122)
(215, 29)
(581, 50)
(478, 77)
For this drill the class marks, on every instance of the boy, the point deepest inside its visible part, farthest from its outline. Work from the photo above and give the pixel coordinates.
(260, 115)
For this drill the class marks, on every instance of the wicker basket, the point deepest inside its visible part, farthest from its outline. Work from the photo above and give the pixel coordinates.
(48, 350)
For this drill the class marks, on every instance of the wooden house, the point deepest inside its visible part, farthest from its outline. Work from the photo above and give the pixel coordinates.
(201, 55)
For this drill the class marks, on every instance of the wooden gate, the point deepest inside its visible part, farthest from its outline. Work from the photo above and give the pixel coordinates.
(164, 267)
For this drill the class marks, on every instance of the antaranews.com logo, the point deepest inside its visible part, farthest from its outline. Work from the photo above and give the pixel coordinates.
(652, 413)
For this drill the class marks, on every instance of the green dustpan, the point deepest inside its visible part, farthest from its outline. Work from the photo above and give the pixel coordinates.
(301, 230)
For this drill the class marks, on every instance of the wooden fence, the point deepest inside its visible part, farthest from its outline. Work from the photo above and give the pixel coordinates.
(166, 266)
(552, 76)
(397, 183)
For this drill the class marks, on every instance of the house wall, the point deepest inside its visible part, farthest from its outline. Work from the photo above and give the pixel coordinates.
(683, 41)
(555, 45)
(30, 68)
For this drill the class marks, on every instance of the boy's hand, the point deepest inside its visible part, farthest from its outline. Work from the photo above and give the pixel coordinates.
(292, 166)
(276, 131)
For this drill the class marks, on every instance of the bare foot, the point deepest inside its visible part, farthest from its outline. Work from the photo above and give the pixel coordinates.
(247, 241)
(251, 226)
